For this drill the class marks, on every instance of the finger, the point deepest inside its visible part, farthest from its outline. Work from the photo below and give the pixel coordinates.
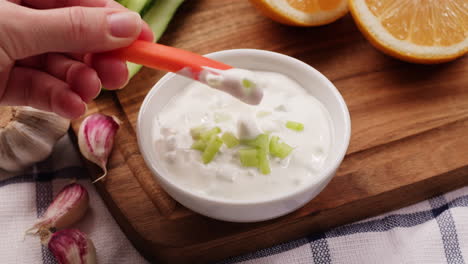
(85, 58)
(74, 29)
(82, 79)
(76, 56)
(40, 90)
(112, 72)
(146, 32)
(35, 62)
(39, 61)
(4, 76)
(48, 4)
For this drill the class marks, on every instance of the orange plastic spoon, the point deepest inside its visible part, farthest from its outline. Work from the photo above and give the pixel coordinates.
(167, 58)
(239, 83)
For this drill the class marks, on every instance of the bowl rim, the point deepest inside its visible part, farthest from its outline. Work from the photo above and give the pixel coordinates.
(326, 174)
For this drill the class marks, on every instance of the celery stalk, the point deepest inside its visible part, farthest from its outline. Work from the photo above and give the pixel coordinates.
(158, 17)
(133, 69)
(137, 5)
(146, 7)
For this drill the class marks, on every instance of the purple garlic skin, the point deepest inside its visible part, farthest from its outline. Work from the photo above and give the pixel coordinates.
(71, 246)
(67, 208)
(96, 139)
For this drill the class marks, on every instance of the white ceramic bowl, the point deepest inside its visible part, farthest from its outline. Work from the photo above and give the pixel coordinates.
(248, 211)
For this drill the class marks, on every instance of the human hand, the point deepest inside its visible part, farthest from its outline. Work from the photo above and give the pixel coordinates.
(49, 51)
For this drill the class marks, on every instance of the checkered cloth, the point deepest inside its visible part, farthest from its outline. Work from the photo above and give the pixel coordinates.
(433, 231)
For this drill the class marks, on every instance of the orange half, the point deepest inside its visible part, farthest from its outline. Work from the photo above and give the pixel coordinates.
(419, 31)
(302, 12)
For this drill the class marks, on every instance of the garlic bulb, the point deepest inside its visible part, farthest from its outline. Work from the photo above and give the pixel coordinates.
(27, 136)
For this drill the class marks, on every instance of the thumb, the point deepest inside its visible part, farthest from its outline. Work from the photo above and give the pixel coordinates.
(73, 29)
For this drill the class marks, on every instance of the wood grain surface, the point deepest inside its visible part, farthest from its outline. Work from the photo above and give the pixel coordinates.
(409, 135)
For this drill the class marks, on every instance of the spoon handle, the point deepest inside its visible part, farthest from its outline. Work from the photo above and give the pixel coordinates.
(167, 58)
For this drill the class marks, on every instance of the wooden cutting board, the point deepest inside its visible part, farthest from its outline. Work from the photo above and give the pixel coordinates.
(409, 136)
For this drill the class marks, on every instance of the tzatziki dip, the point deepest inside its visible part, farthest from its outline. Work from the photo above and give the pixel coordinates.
(215, 145)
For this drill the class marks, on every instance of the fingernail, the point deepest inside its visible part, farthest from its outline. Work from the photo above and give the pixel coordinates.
(99, 89)
(99, 92)
(124, 24)
(84, 109)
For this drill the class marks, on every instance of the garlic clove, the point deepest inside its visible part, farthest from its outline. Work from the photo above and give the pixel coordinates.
(67, 208)
(71, 246)
(96, 139)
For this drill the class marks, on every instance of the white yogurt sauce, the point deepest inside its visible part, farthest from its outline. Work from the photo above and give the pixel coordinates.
(240, 83)
(224, 177)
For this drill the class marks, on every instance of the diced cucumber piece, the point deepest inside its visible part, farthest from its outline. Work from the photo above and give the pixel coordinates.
(247, 83)
(263, 162)
(261, 142)
(249, 157)
(221, 117)
(211, 149)
(230, 140)
(199, 145)
(274, 141)
(196, 132)
(206, 135)
(261, 114)
(279, 149)
(295, 126)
